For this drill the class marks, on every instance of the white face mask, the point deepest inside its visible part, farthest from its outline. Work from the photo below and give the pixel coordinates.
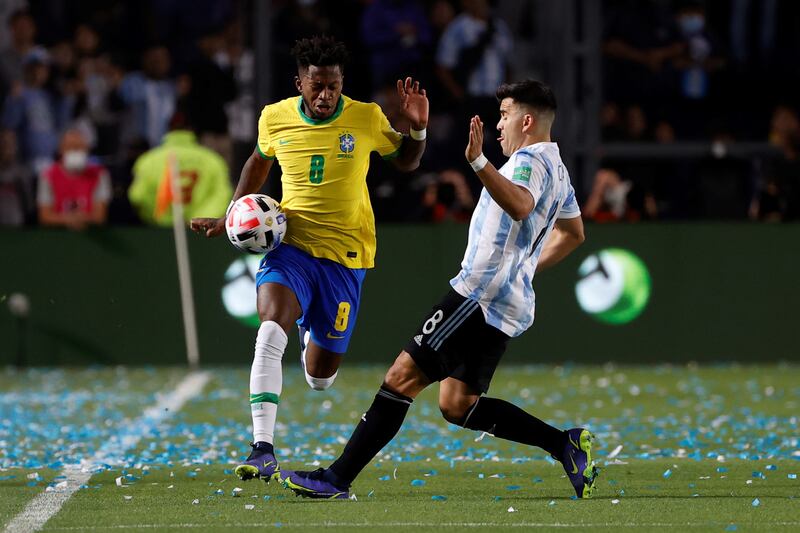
(75, 160)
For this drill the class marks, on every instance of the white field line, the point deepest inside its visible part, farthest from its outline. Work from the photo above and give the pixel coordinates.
(376, 525)
(46, 504)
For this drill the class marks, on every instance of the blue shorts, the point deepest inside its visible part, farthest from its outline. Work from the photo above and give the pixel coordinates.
(328, 292)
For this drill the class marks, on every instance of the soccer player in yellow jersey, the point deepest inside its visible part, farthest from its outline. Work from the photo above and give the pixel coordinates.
(323, 141)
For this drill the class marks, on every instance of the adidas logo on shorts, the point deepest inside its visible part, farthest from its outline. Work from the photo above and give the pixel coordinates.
(418, 340)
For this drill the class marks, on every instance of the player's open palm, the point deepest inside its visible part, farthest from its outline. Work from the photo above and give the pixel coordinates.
(475, 144)
(210, 227)
(413, 102)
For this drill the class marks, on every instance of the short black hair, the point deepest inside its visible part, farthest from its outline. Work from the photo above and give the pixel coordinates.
(320, 51)
(529, 92)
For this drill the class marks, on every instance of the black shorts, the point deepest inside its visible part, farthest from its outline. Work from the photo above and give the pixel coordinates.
(455, 341)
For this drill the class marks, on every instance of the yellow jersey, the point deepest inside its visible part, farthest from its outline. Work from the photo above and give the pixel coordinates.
(324, 165)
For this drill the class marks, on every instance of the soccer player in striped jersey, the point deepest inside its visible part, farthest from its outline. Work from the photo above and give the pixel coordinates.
(527, 220)
(323, 141)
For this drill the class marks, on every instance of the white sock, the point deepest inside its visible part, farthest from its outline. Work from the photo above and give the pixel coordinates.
(314, 383)
(320, 383)
(266, 380)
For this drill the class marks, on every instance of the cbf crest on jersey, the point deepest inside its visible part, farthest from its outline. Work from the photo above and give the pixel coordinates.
(347, 143)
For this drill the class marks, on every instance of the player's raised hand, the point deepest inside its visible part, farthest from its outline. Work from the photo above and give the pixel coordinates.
(475, 144)
(413, 103)
(210, 227)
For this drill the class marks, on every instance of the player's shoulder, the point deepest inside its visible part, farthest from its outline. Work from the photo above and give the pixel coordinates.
(351, 106)
(543, 152)
(280, 108)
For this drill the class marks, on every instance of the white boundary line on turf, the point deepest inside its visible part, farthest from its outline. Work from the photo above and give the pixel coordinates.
(211, 525)
(46, 504)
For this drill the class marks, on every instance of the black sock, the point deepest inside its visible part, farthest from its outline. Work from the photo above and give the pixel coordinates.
(377, 427)
(507, 421)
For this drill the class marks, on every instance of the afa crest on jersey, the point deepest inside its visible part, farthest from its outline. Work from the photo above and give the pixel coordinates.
(347, 143)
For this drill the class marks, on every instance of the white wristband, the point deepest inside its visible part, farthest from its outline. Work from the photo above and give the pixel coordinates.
(418, 135)
(479, 163)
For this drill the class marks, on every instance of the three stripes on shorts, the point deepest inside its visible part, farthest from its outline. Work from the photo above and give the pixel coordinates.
(452, 323)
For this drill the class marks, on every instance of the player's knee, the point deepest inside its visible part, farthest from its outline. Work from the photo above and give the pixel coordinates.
(320, 384)
(405, 377)
(270, 341)
(454, 412)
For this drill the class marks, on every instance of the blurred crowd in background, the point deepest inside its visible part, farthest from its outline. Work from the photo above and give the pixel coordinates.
(91, 89)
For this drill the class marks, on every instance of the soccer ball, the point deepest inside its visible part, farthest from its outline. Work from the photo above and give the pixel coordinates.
(255, 224)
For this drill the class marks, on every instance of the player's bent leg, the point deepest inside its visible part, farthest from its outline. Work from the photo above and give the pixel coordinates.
(507, 421)
(377, 427)
(266, 381)
(320, 366)
(278, 309)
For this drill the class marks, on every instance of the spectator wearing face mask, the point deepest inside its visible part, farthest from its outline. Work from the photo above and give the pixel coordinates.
(73, 191)
(696, 68)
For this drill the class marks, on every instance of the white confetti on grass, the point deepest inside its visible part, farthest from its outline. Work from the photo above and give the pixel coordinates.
(42, 507)
(614, 452)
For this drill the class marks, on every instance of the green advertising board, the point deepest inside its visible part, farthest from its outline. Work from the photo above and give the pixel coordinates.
(632, 293)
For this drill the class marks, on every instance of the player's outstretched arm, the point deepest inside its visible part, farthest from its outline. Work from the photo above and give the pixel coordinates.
(567, 235)
(414, 106)
(254, 174)
(513, 199)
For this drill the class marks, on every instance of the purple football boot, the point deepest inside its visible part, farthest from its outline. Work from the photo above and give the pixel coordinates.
(313, 485)
(577, 461)
(260, 464)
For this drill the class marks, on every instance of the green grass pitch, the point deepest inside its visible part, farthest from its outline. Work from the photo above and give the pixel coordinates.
(703, 449)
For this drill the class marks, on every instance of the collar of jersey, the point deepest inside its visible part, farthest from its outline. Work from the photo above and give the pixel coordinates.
(314, 122)
(180, 137)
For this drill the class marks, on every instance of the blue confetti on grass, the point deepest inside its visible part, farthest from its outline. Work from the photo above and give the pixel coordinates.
(772, 467)
(417, 482)
(732, 527)
(756, 502)
(438, 498)
(757, 474)
(513, 487)
(385, 478)
(667, 473)
(721, 469)
(791, 476)
(181, 442)
(3, 478)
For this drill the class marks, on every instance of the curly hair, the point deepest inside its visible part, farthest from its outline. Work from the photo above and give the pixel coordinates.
(320, 51)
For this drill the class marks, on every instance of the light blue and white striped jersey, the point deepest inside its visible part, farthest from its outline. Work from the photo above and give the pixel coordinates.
(501, 257)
